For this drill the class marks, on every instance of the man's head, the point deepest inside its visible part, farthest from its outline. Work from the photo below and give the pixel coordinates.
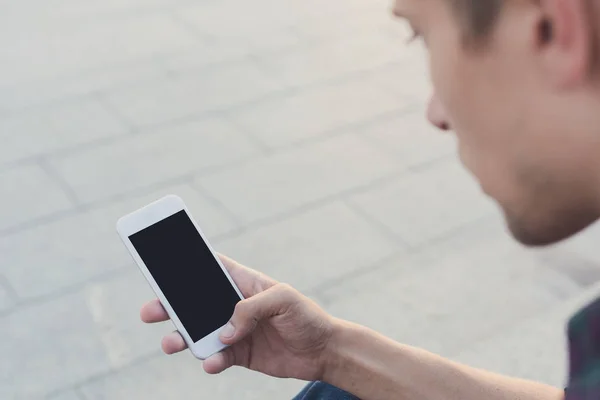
(517, 80)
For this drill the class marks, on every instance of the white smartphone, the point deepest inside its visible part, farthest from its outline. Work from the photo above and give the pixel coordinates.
(191, 283)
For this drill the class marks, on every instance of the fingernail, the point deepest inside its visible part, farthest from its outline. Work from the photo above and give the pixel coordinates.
(228, 330)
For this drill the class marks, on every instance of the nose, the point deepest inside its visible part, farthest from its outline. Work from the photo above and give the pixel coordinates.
(436, 114)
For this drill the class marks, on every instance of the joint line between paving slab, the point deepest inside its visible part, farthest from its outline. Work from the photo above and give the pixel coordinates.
(10, 290)
(79, 394)
(431, 163)
(102, 375)
(383, 263)
(224, 115)
(451, 233)
(94, 205)
(262, 147)
(114, 111)
(381, 227)
(203, 38)
(65, 291)
(205, 114)
(284, 90)
(216, 203)
(311, 205)
(218, 238)
(59, 181)
(184, 178)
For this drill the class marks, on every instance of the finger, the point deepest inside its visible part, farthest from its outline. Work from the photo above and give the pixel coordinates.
(249, 312)
(219, 362)
(173, 343)
(153, 311)
(249, 281)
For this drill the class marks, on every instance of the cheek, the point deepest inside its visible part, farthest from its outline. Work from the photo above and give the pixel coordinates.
(467, 110)
(466, 96)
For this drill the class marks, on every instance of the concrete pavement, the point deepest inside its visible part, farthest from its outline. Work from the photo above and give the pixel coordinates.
(295, 132)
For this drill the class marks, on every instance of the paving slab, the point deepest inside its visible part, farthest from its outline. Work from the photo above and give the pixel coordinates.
(64, 49)
(426, 204)
(158, 156)
(425, 301)
(283, 181)
(535, 349)
(313, 112)
(293, 251)
(409, 138)
(41, 132)
(186, 95)
(181, 376)
(21, 190)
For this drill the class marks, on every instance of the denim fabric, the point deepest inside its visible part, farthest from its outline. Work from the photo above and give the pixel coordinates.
(323, 391)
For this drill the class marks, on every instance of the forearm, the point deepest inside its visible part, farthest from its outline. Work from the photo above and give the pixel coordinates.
(374, 367)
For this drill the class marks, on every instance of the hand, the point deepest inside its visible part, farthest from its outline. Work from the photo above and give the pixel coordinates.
(275, 330)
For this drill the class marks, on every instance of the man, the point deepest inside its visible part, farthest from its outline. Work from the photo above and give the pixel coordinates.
(519, 83)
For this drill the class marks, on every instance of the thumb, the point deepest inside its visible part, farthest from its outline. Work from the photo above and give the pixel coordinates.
(249, 312)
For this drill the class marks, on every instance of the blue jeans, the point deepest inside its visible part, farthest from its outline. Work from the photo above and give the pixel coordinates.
(323, 391)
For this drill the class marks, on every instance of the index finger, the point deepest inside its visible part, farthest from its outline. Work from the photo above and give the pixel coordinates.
(153, 312)
(249, 281)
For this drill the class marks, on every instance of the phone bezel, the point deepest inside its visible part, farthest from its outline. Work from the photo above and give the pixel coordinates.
(148, 216)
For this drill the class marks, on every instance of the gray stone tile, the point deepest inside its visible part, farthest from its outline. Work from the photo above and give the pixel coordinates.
(49, 347)
(230, 30)
(7, 300)
(56, 344)
(535, 349)
(309, 113)
(409, 138)
(573, 264)
(335, 59)
(406, 79)
(265, 43)
(49, 129)
(286, 180)
(185, 95)
(468, 290)
(232, 19)
(578, 257)
(310, 10)
(75, 12)
(426, 204)
(206, 54)
(378, 20)
(72, 49)
(178, 376)
(114, 307)
(313, 247)
(67, 395)
(55, 256)
(17, 97)
(157, 156)
(28, 193)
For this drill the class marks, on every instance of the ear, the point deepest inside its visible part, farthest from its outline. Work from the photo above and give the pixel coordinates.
(564, 34)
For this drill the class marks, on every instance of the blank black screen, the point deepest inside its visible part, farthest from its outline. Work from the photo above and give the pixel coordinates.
(187, 273)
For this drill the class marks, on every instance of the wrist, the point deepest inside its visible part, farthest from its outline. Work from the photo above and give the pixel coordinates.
(334, 354)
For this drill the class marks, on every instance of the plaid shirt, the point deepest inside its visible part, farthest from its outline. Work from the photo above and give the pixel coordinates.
(584, 357)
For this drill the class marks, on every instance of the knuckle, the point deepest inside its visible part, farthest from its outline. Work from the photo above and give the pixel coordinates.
(241, 309)
(283, 287)
(285, 292)
(245, 315)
